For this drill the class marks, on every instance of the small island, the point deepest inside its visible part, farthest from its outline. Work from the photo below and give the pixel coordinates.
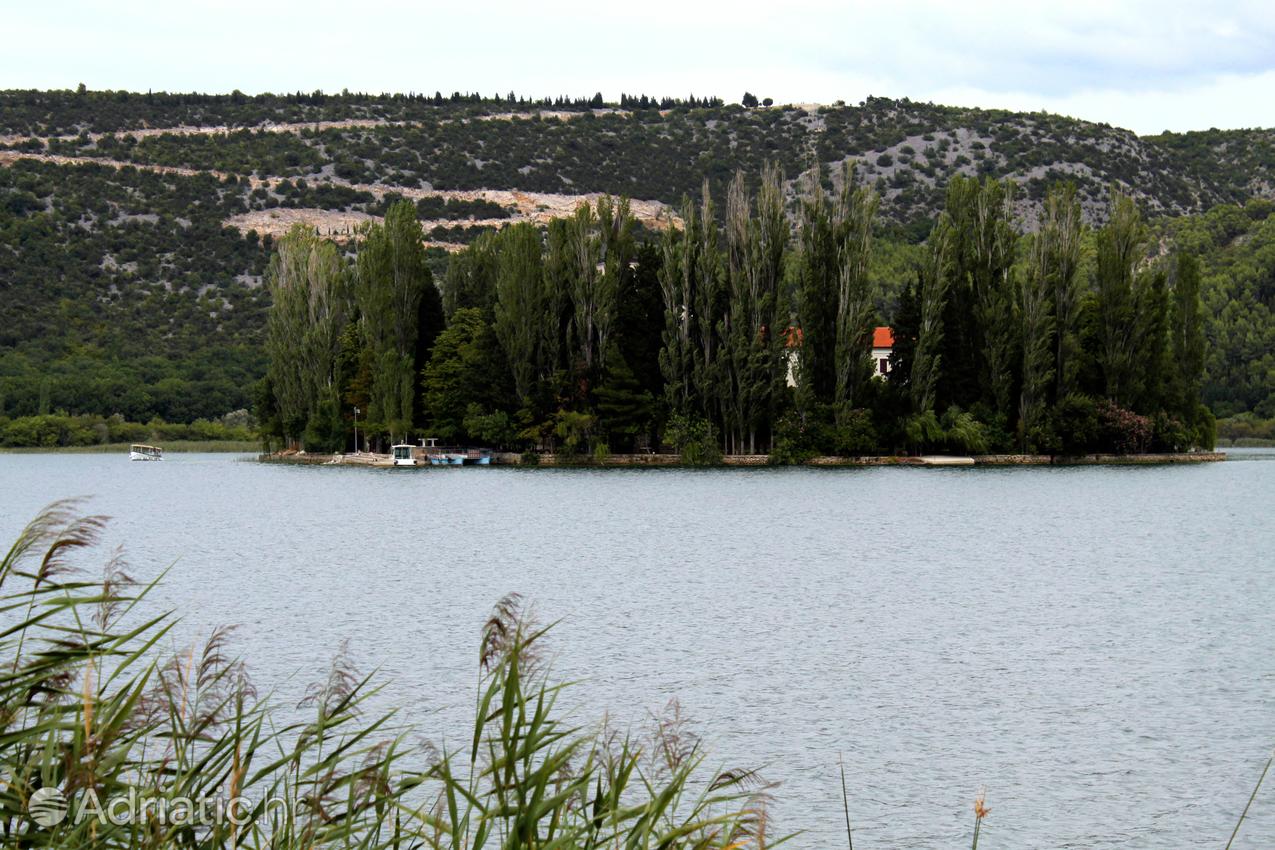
(742, 335)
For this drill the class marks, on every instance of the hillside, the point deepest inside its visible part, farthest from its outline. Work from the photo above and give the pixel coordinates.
(134, 228)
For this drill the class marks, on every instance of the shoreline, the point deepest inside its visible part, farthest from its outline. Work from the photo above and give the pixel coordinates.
(174, 447)
(672, 461)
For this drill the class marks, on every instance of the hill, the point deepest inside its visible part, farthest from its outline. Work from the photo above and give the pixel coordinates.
(134, 228)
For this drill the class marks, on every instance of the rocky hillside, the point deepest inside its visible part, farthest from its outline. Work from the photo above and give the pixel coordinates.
(908, 150)
(134, 228)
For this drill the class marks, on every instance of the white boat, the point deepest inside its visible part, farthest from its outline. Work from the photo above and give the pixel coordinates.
(140, 452)
(402, 455)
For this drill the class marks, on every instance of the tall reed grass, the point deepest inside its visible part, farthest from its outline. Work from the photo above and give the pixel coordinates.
(91, 712)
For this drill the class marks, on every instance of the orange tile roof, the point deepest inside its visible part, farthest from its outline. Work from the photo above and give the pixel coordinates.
(882, 338)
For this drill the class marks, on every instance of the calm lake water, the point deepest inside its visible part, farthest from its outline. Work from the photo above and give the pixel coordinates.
(1094, 645)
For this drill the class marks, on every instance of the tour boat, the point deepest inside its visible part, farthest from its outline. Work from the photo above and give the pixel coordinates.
(140, 452)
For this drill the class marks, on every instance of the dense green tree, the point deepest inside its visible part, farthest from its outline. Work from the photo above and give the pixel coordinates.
(307, 283)
(1038, 329)
(521, 312)
(1048, 308)
(692, 289)
(979, 333)
(932, 297)
(600, 239)
(640, 321)
(1186, 336)
(855, 297)
(467, 376)
(1061, 229)
(391, 278)
(1154, 373)
(752, 336)
(624, 408)
(471, 277)
(834, 294)
(1121, 248)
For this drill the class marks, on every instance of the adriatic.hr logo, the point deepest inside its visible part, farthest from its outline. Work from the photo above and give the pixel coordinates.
(47, 806)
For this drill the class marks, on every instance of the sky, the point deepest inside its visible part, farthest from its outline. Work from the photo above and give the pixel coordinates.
(1147, 66)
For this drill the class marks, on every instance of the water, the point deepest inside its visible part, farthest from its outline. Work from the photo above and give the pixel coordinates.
(1095, 645)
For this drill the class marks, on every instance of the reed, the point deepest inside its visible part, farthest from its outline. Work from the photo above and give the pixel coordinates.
(89, 707)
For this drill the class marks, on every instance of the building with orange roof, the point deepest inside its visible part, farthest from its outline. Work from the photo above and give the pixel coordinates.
(882, 345)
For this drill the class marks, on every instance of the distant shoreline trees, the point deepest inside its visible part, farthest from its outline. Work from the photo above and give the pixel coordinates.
(748, 330)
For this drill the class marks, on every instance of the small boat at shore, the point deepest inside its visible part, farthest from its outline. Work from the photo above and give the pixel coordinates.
(455, 455)
(429, 453)
(138, 451)
(402, 455)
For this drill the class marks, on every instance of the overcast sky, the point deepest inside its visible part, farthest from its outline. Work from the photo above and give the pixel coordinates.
(1148, 66)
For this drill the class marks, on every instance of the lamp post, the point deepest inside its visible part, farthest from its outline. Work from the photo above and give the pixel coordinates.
(356, 430)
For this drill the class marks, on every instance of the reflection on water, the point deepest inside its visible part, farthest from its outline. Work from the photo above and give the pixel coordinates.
(1095, 645)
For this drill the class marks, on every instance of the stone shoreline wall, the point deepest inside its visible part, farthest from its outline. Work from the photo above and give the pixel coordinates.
(672, 460)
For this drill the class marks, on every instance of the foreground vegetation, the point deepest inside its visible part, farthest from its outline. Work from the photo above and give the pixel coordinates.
(86, 709)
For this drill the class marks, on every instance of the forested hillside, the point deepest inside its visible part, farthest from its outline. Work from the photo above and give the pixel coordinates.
(135, 228)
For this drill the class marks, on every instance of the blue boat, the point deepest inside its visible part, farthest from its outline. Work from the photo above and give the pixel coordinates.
(455, 455)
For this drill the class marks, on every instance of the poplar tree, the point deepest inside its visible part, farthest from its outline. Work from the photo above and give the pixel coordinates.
(932, 294)
(678, 285)
(391, 277)
(1121, 246)
(708, 304)
(1062, 228)
(520, 305)
(855, 309)
(817, 283)
(756, 238)
(306, 280)
(834, 298)
(470, 280)
(1186, 334)
(601, 246)
(979, 329)
(1038, 329)
(1152, 375)
(557, 288)
(691, 286)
